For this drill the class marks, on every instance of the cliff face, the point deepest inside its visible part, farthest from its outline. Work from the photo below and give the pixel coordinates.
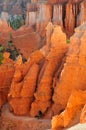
(32, 83)
(47, 84)
(67, 13)
(6, 75)
(70, 92)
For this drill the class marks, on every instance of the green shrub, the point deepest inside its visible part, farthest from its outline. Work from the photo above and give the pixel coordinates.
(11, 48)
(16, 21)
(1, 48)
(67, 41)
(1, 57)
(14, 52)
(1, 53)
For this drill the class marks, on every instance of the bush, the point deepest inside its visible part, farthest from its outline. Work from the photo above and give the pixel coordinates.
(16, 21)
(14, 52)
(11, 48)
(68, 41)
(1, 53)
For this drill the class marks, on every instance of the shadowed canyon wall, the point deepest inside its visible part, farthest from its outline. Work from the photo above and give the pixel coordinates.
(67, 13)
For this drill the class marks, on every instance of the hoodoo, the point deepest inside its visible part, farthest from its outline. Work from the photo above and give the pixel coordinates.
(42, 64)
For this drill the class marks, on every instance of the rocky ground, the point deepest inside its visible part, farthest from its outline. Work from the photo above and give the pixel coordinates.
(12, 122)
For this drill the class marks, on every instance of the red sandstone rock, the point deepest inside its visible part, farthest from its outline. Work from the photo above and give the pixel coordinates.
(30, 80)
(20, 106)
(6, 59)
(26, 80)
(24, 84)
(23, 40)
(3, 96)
(83, 115)
(70, 18)
(57, 1)
(6, 75)
(55, 55)
(38, 108)
(63, 1)
(67, 13)
(82, 15)
(71, 115)
(73, 72)
(58, 14)
(72, 80)
(44, 16)
(4, 27)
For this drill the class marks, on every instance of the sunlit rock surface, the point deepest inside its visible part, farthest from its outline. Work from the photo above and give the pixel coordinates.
(33, 81)
(6, 74)
(71, 89)
(83, 115)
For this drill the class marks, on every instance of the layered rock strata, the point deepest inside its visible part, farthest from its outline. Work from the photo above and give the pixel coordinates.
(72, 113)
(71, 64)
(43, 94)
(24, 84)
(72, 84)
(67, 13)
(6, 75)
(33, 81)
(83, 115)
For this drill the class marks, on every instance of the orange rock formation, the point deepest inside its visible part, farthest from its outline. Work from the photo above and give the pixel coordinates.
(6, 75)
(24, 83)
(34, 79)
(23, 40)
(43, 94)
(71, 115)
(71, 88)
(83, 115)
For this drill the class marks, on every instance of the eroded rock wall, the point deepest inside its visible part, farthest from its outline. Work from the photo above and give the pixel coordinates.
(32, 84)
(68, 14)
(74, 67)
(70, 91)
(6, 75)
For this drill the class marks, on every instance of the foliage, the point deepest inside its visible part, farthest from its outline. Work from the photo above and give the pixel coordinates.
(1, 53)
(16, 21)
(11, 48)
(14, 52)
(1, 57)
(1, 48)
(67, 41)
